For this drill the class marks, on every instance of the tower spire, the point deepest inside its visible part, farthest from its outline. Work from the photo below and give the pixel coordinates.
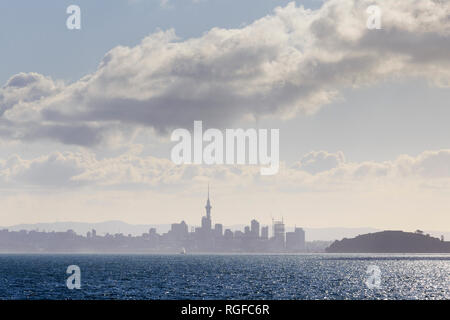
(208, 206)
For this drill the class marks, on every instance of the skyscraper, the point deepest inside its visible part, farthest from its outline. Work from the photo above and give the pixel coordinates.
(179, 231)
(206, 221)
(295, 241)
(255, 228)
(218, 230)
(208, 206)
(265, 233)
(279, 234)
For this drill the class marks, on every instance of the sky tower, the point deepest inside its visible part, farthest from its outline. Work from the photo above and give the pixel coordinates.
(206, 221)
(208, 206)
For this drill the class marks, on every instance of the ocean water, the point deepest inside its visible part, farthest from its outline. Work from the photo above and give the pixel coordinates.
(225, 276)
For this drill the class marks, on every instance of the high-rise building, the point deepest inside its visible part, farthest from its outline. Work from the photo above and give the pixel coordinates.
(179, 231)
(295, 241)
(279, 234)
(218, 230)
(238, 234)
(228, 234)
(206, 220)
(254, 229)
(265, 233)
(206, 224)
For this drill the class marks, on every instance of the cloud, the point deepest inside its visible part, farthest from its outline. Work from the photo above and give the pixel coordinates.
(26, 88)
(292, 61)
(316, 171)
(315, 162)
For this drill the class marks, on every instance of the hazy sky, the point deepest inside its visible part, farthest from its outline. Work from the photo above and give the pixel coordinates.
(85, 115)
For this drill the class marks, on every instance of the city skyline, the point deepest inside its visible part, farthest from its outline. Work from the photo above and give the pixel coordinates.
(209, 237)
(214, 238)
(206, 221)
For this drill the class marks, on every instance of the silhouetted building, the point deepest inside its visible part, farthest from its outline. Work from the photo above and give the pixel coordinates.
(206, 220)
(228, 234)
(295, 241)
(204, 236)
(238, 234)
(265, 233)
(218, 230)
(179, 231)
(254, 228)
(279, 234)
(177, 239)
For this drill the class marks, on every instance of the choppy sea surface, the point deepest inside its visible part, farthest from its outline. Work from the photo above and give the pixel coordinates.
(226, 276)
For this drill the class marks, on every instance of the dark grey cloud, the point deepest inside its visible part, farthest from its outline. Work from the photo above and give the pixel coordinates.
(26, 88)
(22, 80)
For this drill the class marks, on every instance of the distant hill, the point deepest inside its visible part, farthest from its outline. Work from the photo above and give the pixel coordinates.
(390, 242)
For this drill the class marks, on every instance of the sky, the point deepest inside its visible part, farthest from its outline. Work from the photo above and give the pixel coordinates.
(86, 115)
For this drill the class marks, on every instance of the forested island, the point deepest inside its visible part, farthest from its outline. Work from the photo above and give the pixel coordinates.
(391, 242)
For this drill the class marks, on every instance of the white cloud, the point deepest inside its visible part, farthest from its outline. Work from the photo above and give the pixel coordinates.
(316, 171)
(292, 61)
(144, 189)
(319, 161)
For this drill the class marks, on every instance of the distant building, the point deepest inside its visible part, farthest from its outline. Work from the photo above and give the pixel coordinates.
(198, 230)
(295, 241)
(206, 220)
(228, 234)
(265, 233)
(254, 228)
(218, 230)
(179, 231)
(204, 235)
(279, 234)
(178, 239)
(238, 234)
